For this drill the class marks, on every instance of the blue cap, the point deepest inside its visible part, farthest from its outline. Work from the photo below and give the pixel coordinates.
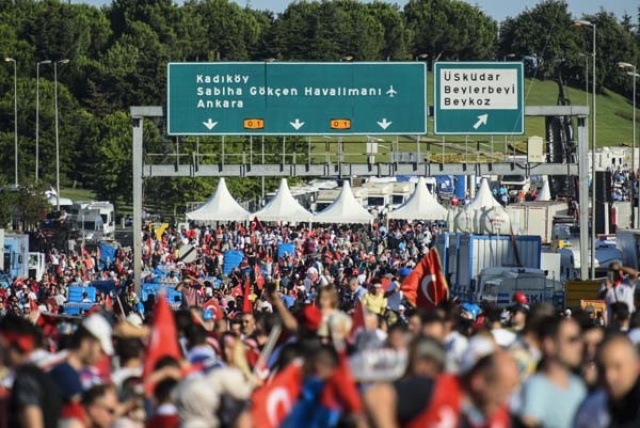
(404, 271)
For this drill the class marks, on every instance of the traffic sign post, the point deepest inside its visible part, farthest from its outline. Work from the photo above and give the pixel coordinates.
(479, 98)
(385, 98)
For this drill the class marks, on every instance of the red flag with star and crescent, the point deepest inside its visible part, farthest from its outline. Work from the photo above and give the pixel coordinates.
(426, 286)
(255, 225)
(273, 402)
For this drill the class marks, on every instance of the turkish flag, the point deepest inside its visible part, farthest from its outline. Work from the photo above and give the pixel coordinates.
(426, 286)
(163, 341)
(358, 324)
(273, 402)
(247, 306)
(340, 391)
(255, 225)
(216, 310)
(259, 277)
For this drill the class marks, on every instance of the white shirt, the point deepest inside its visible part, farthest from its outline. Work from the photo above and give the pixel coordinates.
(625, 292)
(456, 345)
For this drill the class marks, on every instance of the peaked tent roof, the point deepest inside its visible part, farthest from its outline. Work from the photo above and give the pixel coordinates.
(220, 207)
(545, 191)
(421, 205)
(484, 198)
(345, 209)
(283, 207)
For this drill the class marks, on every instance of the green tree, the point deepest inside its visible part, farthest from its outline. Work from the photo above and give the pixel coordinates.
(546, 31)
(29, 204)
(451, 30)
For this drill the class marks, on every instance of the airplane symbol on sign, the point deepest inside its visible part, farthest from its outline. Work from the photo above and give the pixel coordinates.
(391, 92)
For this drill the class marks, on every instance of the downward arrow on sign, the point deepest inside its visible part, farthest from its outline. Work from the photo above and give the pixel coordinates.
(384, 124)
(296, 124)
(210, 124)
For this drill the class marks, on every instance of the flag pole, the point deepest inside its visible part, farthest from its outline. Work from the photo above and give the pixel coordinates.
(267, 350)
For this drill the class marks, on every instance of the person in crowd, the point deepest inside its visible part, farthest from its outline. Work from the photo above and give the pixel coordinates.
(620, 316)
(357, 290)
(616, 405)
(89, 344)
(494, 322)
(248, 325)
(592, 336)
(99, 405)
(455, 342)
(518, 318)
(375, 300)
(35, 401)
(551, 397)
(619, 287)
(130, 353)
(476, 397)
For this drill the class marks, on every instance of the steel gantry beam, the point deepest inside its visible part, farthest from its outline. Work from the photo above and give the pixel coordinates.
(418, 166)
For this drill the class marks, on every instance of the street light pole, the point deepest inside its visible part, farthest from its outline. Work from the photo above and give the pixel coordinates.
(592, 25)
(55, 78)
(634, 74)
(15, 115)
(38, 116)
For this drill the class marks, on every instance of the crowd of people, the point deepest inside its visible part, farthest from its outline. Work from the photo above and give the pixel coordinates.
(345, 331)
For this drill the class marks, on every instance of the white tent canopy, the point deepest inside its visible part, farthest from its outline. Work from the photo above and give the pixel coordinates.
(545, 191)
(220, 207)
(421, 205)
(345, 209)
(484, 198)
(283, 207)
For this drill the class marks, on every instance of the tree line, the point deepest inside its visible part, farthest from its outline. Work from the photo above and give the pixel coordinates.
(118, 54)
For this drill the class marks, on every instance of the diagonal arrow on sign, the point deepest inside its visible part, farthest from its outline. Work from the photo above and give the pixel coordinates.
(210, 124)
(296, 124)
(482, 120)
(384, 124)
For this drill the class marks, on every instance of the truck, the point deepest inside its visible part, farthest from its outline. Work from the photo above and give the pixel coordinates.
(16, 255)
(107, 212)
(535, 218)
(628, 242)
(570, 262)
(325, 198)
(515, 183)
(401, 193)
(90, 225)
(379, 196)
(104, 209)
(499, 284)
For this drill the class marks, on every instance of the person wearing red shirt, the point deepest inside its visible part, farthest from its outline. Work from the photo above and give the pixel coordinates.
(166, 414)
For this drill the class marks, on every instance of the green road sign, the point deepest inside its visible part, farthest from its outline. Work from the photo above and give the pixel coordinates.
(476, 98)
(297, 98)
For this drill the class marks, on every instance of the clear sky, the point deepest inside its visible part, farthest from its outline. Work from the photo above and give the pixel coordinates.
(498, 9)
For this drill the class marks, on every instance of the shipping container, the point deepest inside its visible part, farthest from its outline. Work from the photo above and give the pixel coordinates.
(478, 252)
(447, 246)
(535, 218)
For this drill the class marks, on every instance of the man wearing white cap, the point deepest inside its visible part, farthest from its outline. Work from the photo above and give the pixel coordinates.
(89, 345)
